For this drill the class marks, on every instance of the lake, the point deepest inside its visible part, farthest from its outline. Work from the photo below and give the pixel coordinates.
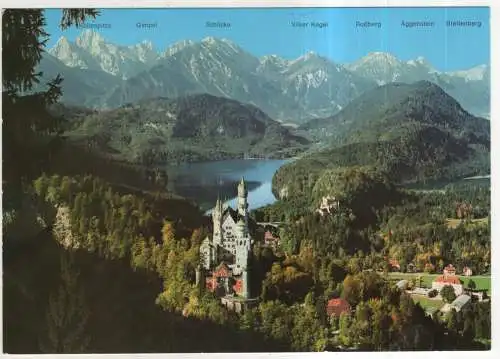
(441, 185)
(203, 182)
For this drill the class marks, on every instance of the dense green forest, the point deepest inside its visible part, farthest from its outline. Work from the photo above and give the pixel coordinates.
(127, 235)
(418, 223)
(117, 239)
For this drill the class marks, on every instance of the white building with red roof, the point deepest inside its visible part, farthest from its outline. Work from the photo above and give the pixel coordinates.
(449, 270)
(452, 280)
(467, 271)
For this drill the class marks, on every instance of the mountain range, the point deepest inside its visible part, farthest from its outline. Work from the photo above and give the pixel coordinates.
(104, 75)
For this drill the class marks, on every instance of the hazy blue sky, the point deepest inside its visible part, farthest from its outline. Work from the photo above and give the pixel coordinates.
(269, 31)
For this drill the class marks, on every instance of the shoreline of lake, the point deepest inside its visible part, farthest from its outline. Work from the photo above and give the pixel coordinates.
(204, 182)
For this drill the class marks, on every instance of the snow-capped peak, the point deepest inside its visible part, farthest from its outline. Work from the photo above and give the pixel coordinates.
(310, 55)
(272, 59)
(376, 59)
(62, 42)
(419, 61)
(89, 39)
(69, 54)
(178, 46)
(147, 44)
(209, 40)
(380, 55)
(91, 51)
(476, 73)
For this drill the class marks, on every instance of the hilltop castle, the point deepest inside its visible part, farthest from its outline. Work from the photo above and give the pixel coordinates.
(225, 256)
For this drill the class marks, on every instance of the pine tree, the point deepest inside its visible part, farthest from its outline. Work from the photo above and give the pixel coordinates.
(30, 132)
(67, 314)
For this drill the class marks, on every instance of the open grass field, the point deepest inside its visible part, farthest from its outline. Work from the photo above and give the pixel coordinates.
(426, 302)
(453, 222)
(482, 281)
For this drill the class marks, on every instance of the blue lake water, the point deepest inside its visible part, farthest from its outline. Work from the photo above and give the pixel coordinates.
(203, 182)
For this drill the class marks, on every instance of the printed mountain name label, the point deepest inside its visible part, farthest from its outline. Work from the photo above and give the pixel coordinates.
(461, 23)
(368, 24)
(95, 26)
(412, 24)
(142, 25)
(221, 24)
(315, 24)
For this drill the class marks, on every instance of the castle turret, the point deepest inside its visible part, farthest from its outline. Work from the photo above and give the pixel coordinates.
(241, 228)
(217, 222)
(246, 283)
(243, 200)
(242, 246)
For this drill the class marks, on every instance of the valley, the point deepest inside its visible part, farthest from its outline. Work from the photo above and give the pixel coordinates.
(168, 195)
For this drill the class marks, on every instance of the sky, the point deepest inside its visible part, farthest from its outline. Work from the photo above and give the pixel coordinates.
(270, 31)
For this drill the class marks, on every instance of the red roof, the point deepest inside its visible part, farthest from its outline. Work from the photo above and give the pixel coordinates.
(210, 284)
(448, 279)
(222, 271)
(337, 306)
(238, 286)
(394, 263)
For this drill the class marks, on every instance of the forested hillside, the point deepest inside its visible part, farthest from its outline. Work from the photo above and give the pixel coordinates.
(386, 111)
(412, 133)
(192, 128)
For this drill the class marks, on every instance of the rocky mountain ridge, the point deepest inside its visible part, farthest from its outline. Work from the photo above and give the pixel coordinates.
(295, 90)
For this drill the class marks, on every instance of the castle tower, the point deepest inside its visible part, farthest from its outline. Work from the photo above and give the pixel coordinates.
(242, 246)
(246, 283)
(217, 223)
(243, 200)
(243, 253)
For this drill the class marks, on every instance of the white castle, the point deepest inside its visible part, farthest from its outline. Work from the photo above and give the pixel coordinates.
(230, 247)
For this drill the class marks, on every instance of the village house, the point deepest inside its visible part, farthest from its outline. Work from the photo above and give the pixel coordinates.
(467, 271)
(428, 267)
(448, 278)
(452, 280)
(449, 270)
(458, 304)
(337, 306)
(394, 265)
(411, 268)
(328, 205)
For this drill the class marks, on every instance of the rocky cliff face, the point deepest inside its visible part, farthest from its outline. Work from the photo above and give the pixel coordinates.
(91, 51)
